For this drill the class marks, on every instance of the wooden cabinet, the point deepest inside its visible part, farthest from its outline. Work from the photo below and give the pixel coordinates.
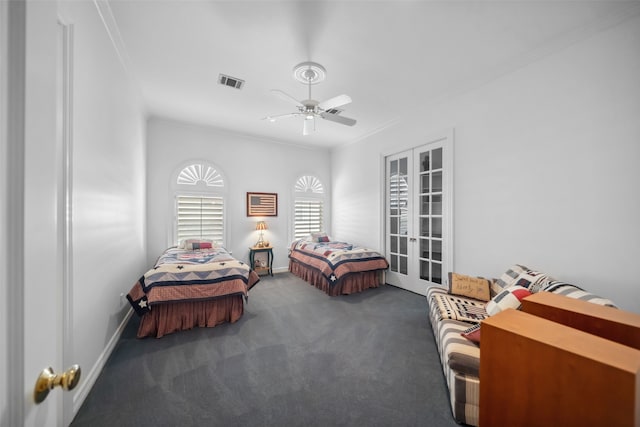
(606, 322)
(535, 372)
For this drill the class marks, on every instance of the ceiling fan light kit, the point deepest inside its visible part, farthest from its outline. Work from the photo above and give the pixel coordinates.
(310, 73)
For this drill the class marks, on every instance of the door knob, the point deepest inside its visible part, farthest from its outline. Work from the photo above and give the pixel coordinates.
(48, 380)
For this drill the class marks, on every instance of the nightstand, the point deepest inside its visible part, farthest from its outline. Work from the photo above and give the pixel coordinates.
(253, 250)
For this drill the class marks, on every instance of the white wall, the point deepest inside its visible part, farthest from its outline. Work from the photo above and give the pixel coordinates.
(248, 165)
(4, 211)
(108, 189)
(546, 168)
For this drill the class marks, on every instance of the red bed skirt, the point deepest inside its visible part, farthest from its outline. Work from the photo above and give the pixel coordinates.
(356, 282)
(179, 316)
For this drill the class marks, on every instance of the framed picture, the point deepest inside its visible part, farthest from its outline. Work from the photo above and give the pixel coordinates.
(262, 204)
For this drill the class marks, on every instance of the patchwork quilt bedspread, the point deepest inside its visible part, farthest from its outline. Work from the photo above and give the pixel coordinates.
(336, 260)
(182, 275)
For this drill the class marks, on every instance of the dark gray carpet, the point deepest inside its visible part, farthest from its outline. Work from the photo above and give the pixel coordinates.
(296, 358)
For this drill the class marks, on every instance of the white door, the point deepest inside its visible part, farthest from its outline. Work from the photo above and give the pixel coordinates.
(418, 213)
(399, 227)
(35, 292)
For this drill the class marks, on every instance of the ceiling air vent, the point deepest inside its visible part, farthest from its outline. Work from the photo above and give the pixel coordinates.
(334, 111)
(230, 81)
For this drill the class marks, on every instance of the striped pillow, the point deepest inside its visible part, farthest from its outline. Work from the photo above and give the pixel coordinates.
(534, 281)
(507, 279)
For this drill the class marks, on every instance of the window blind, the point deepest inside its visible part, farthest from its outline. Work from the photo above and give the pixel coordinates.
(308, 217)
(200, 218)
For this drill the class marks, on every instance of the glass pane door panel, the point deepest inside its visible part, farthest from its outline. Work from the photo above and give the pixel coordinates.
(424, 248)
(436, 273)
(436, 250)
(403, 245)
(394, 262)
(424, 205)
(404, 217)
(424, 270)
(424, 227)
(393, 197)
(436, 224)
(403, 265)
(424, 183)
(436, 205)
(424, 161)
(436, 158)
(393, 225)
(436, 182)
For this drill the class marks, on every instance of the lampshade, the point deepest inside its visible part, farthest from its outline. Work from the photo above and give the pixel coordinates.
(261, 225)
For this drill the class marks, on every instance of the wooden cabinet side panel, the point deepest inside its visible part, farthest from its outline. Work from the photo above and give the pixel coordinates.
(527, 382)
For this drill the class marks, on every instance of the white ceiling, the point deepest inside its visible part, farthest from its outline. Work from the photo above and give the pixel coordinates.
(391, 57)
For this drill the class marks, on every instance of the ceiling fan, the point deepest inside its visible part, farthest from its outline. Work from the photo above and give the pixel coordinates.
(311, 73)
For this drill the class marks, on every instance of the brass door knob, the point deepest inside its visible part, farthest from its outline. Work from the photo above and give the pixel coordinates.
(48, 380)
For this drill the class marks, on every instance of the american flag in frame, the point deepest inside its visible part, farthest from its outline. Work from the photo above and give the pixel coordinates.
(262, 204)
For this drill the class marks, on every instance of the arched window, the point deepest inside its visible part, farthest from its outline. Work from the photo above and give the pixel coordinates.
(196, 173)
(199, 203)
(308, 206)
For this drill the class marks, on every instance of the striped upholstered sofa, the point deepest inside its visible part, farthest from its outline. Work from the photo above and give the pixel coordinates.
(452, 315)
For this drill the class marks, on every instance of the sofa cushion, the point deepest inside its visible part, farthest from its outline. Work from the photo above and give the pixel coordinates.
(459, 308)
(469, 286)
(457, 354)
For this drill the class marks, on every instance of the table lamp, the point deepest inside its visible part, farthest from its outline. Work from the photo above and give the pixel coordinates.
(261, 226)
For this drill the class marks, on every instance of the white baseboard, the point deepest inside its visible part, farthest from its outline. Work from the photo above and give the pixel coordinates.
(90, 379)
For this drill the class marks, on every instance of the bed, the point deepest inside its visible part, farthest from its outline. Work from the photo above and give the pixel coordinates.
(193, 286)
(337, 268)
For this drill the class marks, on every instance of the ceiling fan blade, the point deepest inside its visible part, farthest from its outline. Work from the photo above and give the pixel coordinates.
(338, 119)
(334, 102)
(308, 126)
(286, 97)
(280, 116)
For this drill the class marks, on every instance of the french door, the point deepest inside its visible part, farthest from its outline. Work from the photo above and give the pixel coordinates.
(418, 216)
